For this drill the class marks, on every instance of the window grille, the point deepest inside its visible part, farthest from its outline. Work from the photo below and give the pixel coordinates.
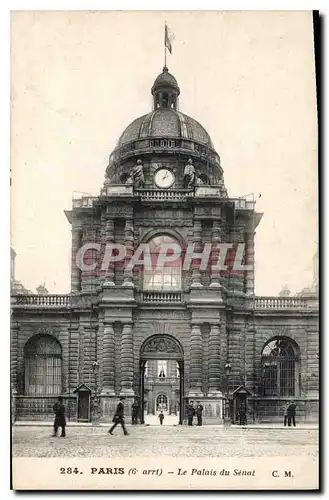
(43, 366)
(280, 368)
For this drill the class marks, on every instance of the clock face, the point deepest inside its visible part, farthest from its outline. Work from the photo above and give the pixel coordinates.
(164, 178)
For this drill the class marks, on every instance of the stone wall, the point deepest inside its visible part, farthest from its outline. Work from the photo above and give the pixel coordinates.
(227, 334)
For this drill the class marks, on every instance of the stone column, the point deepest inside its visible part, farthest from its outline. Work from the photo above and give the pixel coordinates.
(235, 284)
(214, 361)
(249, 275)
(129, 244)
(239, 289)
(127, 361)
(109, 240)
(75, 271)
(195, 361)
(73, 346)
(14, 329)
(215, 240)
(224, 345)
(197, 248)
(108, 360)
(88, 276)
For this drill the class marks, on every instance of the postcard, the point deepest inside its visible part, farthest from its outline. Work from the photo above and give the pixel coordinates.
(164, 250)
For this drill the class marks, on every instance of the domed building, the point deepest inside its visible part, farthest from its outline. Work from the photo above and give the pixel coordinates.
(165, 135)
(189, 330)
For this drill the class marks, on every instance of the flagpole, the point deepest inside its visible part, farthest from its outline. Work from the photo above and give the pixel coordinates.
(165, 54)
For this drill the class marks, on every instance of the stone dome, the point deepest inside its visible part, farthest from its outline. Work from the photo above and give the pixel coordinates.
(165, 79)
(165, 122)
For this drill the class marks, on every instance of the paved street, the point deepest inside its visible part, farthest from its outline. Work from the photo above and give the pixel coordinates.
(170, 441)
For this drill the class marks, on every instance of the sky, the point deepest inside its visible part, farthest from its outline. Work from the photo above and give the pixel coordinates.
(79, 78)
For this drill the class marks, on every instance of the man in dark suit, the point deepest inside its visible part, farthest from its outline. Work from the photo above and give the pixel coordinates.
(119, 418)
(199, 410)
(291, 414)
(134, 412)
(190, 413)
(59, 410)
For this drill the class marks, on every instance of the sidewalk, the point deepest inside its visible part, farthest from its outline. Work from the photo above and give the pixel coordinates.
(38, 423)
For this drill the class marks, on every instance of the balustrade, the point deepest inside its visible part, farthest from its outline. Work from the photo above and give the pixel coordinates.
(280, 303)
(154, 297)
(43, 300)
(163, 195)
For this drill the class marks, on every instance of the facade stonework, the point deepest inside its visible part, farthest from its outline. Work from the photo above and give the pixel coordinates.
(163, 340)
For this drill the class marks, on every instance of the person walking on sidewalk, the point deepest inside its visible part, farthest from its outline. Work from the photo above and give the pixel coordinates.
(59, 410)
(161, 417)
(292, 414)
(119, 418)
(285, 413)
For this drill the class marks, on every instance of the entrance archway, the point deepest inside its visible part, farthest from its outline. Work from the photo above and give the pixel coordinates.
(161, 403)
(162, 347)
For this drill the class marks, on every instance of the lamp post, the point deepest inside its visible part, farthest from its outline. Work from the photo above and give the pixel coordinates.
(95, 407)
(227, 417)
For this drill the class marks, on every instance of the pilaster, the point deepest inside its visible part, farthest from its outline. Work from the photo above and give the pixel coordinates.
(195, 361)
(127, 361)
(250, 258)
(214, 360)
(215, 240)
(108, 360)
(109, 240)
(129, 244)
(197, 246)
(75, 271)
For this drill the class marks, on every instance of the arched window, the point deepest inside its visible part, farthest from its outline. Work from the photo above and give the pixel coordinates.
(43, 366)
(164, 277)
(280, 367)
(161, 403)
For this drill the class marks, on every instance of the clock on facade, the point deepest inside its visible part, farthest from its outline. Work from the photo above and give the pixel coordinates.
(164, 178)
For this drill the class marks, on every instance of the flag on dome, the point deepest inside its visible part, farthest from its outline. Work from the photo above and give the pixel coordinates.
(169, 38)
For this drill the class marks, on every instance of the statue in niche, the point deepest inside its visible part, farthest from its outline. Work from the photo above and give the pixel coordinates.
(189, 175)
(162, 373)
(136, 175)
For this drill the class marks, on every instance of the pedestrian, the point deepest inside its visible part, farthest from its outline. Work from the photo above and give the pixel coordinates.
(59, 410)
(161, 417)
(134, 412)
(285, 413)
(119, 418)
(190, 413)
(199, 410)
(292, 414)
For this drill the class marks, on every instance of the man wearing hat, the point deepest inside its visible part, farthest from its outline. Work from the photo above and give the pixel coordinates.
(59, 410)
(119, 418)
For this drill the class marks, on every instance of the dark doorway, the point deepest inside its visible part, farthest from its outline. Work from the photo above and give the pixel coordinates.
(240, 405)
(83, 406)
(83, 403)
(161, 347)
